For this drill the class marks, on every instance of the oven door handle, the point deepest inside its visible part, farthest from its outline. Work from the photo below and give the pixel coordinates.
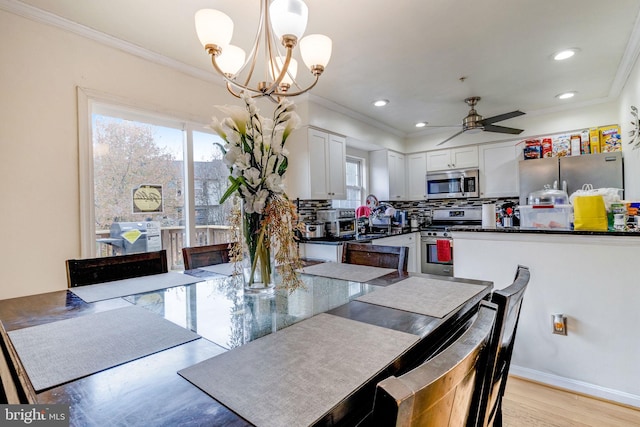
(462, 185)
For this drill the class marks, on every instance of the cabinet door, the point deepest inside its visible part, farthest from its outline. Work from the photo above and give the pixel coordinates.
(396, 176)
(337, 167)
(438, 160)
(416, 172)
(411, 241)
(464, 157)
(499, 169)
(318, 164)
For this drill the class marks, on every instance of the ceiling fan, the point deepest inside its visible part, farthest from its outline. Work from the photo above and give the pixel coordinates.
(474, 122)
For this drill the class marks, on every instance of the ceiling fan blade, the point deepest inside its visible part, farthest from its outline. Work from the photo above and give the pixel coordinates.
(502, 129)
(443, 126)
(450, 138)
(502, 117)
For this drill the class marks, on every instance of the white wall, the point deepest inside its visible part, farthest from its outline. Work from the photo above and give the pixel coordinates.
(587, 278)
(630, 96)
(40, 68)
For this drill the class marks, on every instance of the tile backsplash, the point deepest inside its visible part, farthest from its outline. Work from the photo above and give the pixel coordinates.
(307, 208)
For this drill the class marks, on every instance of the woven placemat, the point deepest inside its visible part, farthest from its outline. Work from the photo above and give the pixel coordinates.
(351, 272)
(59, 352)
(136, 285)
(431, 297)
(296, 375)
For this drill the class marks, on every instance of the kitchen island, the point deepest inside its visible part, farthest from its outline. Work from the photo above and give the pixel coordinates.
(591, 278)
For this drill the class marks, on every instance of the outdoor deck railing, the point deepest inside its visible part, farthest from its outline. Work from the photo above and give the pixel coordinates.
(173, 239)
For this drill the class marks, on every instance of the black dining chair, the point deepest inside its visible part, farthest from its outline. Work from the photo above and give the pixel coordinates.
(442, 390)
(376, 255)
(201, 256)
(90, 271)
(509, 302)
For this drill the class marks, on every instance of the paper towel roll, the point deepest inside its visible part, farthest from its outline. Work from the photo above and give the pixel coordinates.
(488, 215)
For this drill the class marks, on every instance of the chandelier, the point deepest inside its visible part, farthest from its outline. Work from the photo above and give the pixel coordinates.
(281, 23)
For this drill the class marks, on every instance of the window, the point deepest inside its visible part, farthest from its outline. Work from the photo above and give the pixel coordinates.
(141, 170)
(354, 180)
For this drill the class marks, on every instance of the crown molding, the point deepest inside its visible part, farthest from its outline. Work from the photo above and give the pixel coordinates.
(355, 115)
(38, 15)
(627, 62)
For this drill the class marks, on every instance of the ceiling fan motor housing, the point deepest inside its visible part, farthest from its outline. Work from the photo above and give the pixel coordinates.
(472, 122)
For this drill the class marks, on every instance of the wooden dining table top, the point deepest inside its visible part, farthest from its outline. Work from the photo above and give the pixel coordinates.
(148, 391)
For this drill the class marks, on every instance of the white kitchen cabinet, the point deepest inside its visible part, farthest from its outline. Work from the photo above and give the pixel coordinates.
(416, 172)
(410, 240)
(387, 175)
(317, 165)
(498, 164)
(453, 158)
(321, 252)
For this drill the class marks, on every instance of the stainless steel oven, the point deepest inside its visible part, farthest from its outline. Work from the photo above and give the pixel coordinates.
(430, 262)
(442, 221)
(452, 184)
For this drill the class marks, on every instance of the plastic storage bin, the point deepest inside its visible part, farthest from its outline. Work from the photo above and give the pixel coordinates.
(546, 217)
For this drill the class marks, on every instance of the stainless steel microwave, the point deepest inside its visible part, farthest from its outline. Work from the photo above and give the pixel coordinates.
(452, 184)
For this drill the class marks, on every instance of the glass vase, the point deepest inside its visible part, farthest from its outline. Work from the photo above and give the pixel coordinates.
(258, 265)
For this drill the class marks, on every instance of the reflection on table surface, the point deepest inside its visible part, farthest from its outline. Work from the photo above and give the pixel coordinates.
(218, 309)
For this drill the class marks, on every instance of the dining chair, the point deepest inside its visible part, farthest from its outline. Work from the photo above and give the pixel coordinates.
(441, 391)
(376, 255)
(200, 256)
(90, 271)
(509, 302)
(15, 387)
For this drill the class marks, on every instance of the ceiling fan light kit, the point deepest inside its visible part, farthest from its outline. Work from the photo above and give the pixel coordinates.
(475, 123)
(283, 22)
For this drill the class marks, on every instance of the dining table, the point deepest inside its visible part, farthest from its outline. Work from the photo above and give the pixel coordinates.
(208, 353)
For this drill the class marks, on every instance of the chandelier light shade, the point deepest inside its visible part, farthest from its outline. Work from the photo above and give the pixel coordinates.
(289, 17)
(282, 25)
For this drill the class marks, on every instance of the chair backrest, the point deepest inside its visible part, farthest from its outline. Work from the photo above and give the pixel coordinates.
(509, 302)
(439, 392)
(376, 255)
(15, 385)
(200, 256)
(90, 271)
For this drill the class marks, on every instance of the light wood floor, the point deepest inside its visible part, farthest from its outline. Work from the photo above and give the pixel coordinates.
(530, 404)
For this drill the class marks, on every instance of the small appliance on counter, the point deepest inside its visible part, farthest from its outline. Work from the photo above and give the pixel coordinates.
(313, 230)
(338, 222)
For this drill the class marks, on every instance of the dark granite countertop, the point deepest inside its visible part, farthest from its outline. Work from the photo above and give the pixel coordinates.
(365, 238)
(547, 231)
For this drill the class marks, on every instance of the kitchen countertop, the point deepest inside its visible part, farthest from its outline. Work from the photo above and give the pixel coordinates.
(365, 238)
(546, 231)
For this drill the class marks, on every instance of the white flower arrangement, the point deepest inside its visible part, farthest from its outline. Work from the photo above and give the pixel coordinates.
(257, 160)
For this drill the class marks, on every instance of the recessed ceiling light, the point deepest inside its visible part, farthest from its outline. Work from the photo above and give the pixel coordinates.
(564, 54)
(421, 124)
(566, 95)
(381, 102)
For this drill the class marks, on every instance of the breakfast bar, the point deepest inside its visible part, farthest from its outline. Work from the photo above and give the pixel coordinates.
(206, 353)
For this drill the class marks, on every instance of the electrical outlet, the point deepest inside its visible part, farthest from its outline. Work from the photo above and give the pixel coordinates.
(559, 322)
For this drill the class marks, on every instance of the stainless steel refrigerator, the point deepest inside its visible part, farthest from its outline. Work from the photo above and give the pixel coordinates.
(604, 170)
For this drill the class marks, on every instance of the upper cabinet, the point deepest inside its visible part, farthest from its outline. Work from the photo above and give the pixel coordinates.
(317, 165)
(499, 169)
(453, 158)
(416, 173)
(387, 175)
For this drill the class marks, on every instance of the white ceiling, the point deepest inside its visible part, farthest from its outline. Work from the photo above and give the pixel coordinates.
(412, 52)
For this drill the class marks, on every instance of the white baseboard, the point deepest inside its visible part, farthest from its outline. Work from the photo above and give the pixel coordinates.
(576, 386)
